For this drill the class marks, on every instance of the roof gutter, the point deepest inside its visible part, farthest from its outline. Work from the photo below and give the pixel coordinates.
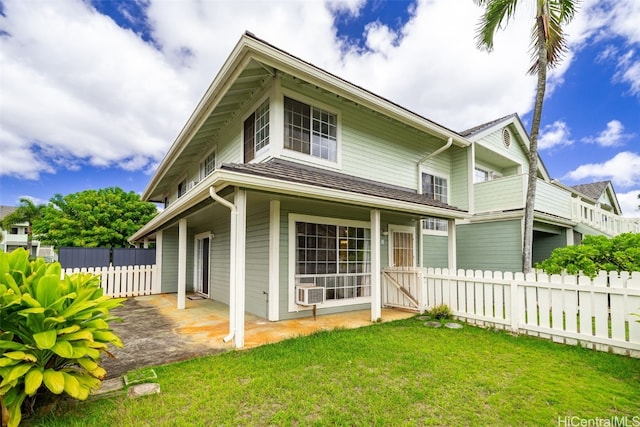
(232, 267)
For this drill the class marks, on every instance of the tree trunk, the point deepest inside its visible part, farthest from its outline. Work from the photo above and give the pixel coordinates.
(527, 245)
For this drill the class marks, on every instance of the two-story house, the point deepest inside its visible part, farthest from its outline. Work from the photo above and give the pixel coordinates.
(290, 187)
(285, 177)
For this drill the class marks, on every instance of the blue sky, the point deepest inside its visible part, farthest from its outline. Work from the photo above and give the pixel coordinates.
(93, 93)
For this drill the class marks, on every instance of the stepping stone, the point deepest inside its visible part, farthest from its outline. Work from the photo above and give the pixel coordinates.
(143, 390)
(424, 317)
(452, 325)
(433, 324)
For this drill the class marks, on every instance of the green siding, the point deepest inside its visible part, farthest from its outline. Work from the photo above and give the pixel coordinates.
(169, 260)
(257, 256)
(459, 178)
(219, 280)
(544, 243)
(435, 251)
(495, 246)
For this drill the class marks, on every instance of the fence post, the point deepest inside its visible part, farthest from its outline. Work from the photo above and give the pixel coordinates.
(516, 307)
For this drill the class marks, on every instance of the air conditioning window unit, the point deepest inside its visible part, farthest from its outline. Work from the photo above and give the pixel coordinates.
(192, 184)
(310, 295)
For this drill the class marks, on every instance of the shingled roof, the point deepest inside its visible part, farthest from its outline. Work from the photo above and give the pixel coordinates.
(593, 190)
(304, 174)
(483, 126)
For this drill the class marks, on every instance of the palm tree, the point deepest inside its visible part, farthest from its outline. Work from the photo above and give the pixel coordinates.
(548, 45)
(27, 212)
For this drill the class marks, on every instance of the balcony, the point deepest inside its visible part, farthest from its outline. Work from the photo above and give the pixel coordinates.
(602, 220)
(510, 193)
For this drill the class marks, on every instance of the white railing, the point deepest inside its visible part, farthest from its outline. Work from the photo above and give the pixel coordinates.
(120, 282)
(568, 309)
(603, 220)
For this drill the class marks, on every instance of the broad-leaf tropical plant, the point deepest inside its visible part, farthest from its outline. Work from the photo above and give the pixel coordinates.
(53, 332)
(548, 45)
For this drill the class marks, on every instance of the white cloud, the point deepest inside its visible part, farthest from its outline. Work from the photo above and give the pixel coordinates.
(554, 135)
(623, 170)
(612, 136)
(629, 203)
(77, 89)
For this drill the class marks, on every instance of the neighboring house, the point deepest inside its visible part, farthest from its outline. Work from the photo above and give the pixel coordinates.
(16, 237)
(289, 183)
(492, 238)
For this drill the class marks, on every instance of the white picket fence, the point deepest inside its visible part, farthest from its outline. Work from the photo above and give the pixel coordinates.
(120, 282)
(573, 310)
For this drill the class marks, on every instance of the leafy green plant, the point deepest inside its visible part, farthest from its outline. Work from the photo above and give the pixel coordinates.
(596, 253)
(440, 312)
(53, 332)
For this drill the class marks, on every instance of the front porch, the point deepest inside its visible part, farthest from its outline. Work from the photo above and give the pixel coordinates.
(155, 333)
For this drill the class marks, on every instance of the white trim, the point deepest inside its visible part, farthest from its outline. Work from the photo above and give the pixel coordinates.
(293, 218)
(313, 103)
(438, 174)
(182, 262)
(401, 229)
(201, 172)
(257, 155)
(274, 261)
(376, 282)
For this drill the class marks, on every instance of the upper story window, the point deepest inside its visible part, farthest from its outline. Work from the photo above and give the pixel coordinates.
(480, 175)
(208, 165)
(182, 188)
(310, 130)
(256, 132)
(435, 187)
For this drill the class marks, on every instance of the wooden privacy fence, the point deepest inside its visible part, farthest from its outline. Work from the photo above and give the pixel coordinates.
(569, 309)
(127, 281)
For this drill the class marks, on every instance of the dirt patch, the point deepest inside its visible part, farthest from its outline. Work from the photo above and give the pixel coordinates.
(149, 339)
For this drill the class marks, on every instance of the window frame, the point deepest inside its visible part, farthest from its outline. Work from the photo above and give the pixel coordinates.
(181, 184)
(338, 222)
(445, 177)
(435, 231)
(312, 102)
(257, 153)
(202, 172)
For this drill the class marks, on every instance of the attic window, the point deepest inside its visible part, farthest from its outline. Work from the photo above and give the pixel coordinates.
(506, 137)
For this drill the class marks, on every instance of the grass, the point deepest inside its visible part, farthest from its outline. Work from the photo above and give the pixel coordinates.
(398, 373)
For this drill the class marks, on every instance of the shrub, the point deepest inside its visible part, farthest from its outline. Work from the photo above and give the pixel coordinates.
(621, 253)
(440, 312)
(52, 332)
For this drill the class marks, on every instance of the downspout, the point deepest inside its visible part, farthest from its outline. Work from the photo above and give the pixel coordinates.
(429, 156)
(232, 269)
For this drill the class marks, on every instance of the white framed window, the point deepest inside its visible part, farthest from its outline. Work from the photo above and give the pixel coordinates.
(435, 187)
(256, 132)
(208, 165)
(182, 187)
(332, 253)
(480, 175)
(432, 225)
(310, 130)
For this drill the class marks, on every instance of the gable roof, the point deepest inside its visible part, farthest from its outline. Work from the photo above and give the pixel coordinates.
(305, 174)
(479, 128)
(6, 210)
(596, 190)
(252, 65)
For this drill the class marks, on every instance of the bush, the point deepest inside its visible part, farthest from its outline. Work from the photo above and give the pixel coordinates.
(440, 312)
(52, 332)
(596, 253)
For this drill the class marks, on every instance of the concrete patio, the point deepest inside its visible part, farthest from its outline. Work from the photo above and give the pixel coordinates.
(155, 332)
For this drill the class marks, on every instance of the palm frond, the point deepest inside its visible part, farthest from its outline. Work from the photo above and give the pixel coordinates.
(495, 13)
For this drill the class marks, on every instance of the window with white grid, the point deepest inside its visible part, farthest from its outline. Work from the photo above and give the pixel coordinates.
(310, 130)
(435, 187)
(435, 224)
(208, 165)
(335, 257)
(256, 132)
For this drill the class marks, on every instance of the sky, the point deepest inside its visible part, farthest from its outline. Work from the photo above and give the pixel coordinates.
(93, 93)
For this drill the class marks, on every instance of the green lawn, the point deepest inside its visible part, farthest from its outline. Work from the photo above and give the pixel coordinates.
(398, 373)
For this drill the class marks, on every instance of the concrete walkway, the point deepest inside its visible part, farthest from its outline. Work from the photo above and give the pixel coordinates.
(155, 332)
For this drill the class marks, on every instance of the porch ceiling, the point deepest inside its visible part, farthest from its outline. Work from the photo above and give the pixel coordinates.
(243, 89)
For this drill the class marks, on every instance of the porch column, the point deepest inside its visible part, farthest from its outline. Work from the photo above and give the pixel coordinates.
(376, 291)
(239, 286)
(569, 235)
(182, 262)
(145, 243)
(274, 261)
(157, 277)
(452, 255)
